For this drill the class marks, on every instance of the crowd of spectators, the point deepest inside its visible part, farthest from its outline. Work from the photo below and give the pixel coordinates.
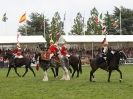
(83, 52)
(88, 52)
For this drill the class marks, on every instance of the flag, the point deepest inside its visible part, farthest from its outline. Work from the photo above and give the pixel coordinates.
(116, 23)
(104, 42)
(4, 18)
(57, 33)
(57, 36)
(103, 28)
(50, 35)
(22, 18)
(101, 16)
(96, 20)
(100, 19)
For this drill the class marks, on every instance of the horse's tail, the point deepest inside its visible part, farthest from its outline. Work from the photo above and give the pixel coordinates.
(80, 65)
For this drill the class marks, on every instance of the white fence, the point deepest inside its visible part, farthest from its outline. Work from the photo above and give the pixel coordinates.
(129, 61)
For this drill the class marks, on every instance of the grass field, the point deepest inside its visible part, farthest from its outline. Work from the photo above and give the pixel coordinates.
(31, 87)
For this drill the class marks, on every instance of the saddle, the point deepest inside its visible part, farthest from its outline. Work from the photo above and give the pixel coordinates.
(45, 55)
(56, 59)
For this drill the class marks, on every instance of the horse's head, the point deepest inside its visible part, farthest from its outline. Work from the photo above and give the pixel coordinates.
(8, 55)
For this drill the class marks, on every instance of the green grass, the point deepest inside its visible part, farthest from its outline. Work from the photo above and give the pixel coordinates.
(31, 87)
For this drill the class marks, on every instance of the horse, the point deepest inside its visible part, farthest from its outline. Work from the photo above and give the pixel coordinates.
(18, 62)
(75, 63)
(45, 64)
(112, 63)
(54, 62)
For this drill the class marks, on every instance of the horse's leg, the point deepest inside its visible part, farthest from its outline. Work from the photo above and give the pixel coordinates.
(15, 68)
(91, 74)
(66, 74)
(8, 71)
(57, 71)
(120, 74)
(26, 70)
(70, 70)
(73, 73)
(110, 71)
(77, 72)
(53, 72)
(32, 71)
(64, 67)
(45, 78)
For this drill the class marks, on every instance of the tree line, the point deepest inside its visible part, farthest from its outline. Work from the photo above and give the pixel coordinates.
(117, 23)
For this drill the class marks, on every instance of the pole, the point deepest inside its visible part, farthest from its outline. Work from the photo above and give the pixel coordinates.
(92, 50)
(44, 26)
(120, 23)
(26, 32)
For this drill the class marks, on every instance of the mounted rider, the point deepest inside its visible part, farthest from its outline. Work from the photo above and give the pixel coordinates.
(17, 52)
(104, 47)
(64, 52)
(53, 48)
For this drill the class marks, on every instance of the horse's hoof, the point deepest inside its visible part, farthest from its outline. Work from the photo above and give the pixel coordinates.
(108, 81)
(62, 79)
(94, 80)
(120, 80)
(44, 79)
(56, 77)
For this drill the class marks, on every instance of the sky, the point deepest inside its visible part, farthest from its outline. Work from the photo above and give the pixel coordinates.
(15, 8)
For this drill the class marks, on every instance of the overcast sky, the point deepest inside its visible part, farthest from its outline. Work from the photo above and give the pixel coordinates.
(15, 8)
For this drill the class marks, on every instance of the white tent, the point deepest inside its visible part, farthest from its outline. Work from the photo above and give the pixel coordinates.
(97, 38)
(22, 39)
(93, 39)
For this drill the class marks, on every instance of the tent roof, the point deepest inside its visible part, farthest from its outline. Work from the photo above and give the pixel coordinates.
(22, 39)
(97, 38)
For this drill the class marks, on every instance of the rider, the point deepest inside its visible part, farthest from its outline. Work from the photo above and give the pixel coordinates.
(104, 50)
(18, 52)
(53, 48)
(63, 51)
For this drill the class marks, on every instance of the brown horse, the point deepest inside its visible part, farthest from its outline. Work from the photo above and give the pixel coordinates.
(112, 64)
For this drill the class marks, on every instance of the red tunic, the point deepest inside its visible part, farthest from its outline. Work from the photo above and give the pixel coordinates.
(53, 48)
(17, 52)
(64, 50)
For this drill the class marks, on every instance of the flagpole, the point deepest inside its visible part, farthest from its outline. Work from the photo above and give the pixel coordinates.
(84, 28)
(44, 26)
(120, 22)
(64, 22)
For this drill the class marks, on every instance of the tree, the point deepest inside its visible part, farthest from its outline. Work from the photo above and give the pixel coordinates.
(56, 28)
(77, 28)
(35, 26)
(93, 23)
(126, 19)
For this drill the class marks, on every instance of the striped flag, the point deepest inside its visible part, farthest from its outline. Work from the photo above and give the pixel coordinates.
(22, 18)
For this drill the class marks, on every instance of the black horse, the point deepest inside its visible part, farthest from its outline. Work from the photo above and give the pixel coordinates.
(75, 63)
(18, 62)
(112, 63)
